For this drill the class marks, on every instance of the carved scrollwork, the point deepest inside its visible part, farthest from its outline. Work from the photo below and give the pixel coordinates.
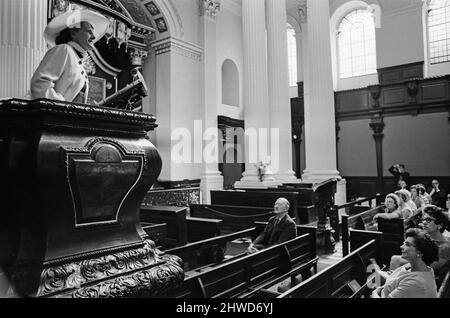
(413, 89)
(149, 282)
(156, 271)
(375, 93)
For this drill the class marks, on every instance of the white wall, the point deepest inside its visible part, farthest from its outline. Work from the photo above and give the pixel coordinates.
(229, 46)
(420, 142)
(189, 15)
(356, 149)
(400, 38)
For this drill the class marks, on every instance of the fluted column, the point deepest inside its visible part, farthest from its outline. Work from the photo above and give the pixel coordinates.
(279, 101)
(211, 178)
(22, 44)
(320, 134)
(256, 102)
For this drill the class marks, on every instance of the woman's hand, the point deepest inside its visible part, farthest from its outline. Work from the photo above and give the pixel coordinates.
(251, 249)
(376, 293)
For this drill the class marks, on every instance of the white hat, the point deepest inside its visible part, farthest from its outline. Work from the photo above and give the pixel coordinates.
(72, 18)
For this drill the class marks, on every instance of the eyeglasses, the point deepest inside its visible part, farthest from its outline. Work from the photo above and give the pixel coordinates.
(428, 220)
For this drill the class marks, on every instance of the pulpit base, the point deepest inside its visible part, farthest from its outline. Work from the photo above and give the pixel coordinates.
(135, 272)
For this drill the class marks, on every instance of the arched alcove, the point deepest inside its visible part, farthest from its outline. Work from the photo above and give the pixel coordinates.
(230, 83)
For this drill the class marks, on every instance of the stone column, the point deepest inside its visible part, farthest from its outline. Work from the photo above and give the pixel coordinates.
(320, 135)
(211, 178)
(256, 105)
(279, 101)
(22, 45)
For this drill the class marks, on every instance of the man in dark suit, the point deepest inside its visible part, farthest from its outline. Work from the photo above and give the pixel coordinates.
(279, 229)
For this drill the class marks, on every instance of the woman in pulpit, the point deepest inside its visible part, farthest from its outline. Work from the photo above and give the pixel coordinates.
(61, 74)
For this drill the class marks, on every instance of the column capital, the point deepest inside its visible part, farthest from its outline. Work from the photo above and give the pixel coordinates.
(377, 125)
(137, 56)
(302, 11)
(209, 8)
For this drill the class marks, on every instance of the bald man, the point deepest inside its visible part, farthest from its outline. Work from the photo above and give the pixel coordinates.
(279, 229)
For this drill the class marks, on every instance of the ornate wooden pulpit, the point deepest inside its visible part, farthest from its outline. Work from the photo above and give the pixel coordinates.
(73, 178)
(321, 195)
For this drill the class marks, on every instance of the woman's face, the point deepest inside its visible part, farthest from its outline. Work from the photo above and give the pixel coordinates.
(409, 250)
(400, 197)
(84, 36)
(390, 204)
(414, 192)
(429, 223)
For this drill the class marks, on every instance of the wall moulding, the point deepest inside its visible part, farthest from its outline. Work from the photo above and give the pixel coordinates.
(178, 46)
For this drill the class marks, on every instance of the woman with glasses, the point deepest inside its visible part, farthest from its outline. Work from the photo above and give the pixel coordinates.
(414, 279)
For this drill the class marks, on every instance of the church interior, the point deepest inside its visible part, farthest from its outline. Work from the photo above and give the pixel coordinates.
(198, 116)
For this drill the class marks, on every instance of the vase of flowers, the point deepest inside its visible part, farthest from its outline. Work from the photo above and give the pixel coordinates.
(261, 168)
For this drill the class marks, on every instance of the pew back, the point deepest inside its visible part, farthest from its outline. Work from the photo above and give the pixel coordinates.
(234, 278)
(358, 222)
(156, 232)
(202, 228)
(333, 281)
(256, 199)
(234, 218)
(174, 217)
(208, 251)
(393, 237)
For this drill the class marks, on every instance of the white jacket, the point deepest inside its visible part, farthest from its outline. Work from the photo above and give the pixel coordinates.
(61, 74)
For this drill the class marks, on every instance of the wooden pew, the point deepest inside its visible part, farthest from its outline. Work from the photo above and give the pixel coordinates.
(357, 222)
(180, 228)
(305, 208)
(235, 218)
(352, 208)
(357, 239)
(265, 199)
(393, 233)
(245, 275)
(156, 232)
(174, 217)
(201, 228)
(208, 251)
(334, 281)
(393, 237)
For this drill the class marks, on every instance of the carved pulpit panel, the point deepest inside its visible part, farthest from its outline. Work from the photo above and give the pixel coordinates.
(100, 178)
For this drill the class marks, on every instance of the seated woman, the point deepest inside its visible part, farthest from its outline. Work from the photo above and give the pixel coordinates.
(423, 193)
(407, 207)
(414, 279)
(434, 222)
(415, 197)
(392, 211)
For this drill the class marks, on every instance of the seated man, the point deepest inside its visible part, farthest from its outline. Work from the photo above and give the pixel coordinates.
(279, 229)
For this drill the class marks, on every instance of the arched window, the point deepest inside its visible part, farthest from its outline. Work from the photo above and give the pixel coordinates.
(439, 31)
(356, 44)
(292, 55)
